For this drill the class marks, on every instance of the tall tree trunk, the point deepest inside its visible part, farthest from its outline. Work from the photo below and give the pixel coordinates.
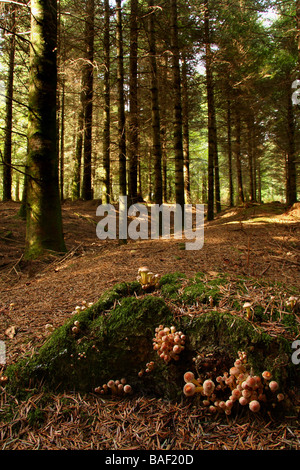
(62, 140)
(76, 184)
(298, 30)
(259, 181)
(178, 138)
(121, 108)
(133, 99)
(7, 169)
(106, 123)
(44, 220)
(254, 156)
(88, 72)
(229, 144)
(238, 155)
(163, 133)
(155, 113)
(213, 160)
(250, 130)
(291, 179)
(186, 143)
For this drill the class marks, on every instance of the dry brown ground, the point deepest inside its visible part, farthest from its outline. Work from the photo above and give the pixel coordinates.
(259, 241)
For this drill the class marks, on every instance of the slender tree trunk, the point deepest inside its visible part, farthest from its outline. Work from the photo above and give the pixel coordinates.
(238, 156)
(178, 138)
(76, 184)
(230, 178)
(156, 137)
(88, 71)
(121, 108)
(163, 133)
(259, 181)
(133, 98)
(44, 220)
(106, 124)
(213, 164)
(186, 144)
(7, 151)
(291, 180)
(23, 206)
(298, 30)
(250, 125)
(62, 141)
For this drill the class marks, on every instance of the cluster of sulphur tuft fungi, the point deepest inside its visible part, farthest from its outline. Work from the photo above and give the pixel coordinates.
(76, 327)
(168, 343)
(115, 387)
(147, 279)
(149, 368)
(83, 306)
(241, 386)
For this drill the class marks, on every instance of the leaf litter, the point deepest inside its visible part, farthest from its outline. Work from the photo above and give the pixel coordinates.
(35, 294)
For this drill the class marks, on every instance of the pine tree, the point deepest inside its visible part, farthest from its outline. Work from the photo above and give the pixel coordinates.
(44, 221)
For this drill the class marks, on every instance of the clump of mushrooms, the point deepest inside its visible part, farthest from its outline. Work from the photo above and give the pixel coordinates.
(239, 384)
(83, 306)
(168, 343)
(147, 279)
(76, 327)
(114, 387)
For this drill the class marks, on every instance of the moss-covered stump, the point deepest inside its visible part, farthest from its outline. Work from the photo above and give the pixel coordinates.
(115, 339)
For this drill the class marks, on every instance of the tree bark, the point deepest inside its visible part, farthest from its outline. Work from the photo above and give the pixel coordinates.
(238, 156)
(106, 117)
(178, 138)
(250, 130)
(298, 31)
(213, 161)
(186, 143)
(62, 141)
(155, 112)
(88, 71)
(291, 179)
(76, 184)
(121, 108)
(229, 144)
(133, 98)
(7, 151)
(44, 221)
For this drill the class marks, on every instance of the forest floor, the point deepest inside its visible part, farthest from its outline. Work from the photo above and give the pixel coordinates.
(259, 241)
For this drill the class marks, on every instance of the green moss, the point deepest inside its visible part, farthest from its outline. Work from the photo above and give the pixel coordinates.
(170, 285)
(110, 344)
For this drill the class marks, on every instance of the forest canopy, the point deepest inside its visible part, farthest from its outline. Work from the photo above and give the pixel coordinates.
(164, 101)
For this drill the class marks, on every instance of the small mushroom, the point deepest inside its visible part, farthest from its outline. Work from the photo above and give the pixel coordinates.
(292, 301)
(266, 375)
(254, 406)
(189, 389)
(3, 380)
(247, 307)
(143, 272)
(127, 389)
(273, 386)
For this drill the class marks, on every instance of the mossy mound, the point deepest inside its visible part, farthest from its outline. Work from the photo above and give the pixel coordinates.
(115, 339)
